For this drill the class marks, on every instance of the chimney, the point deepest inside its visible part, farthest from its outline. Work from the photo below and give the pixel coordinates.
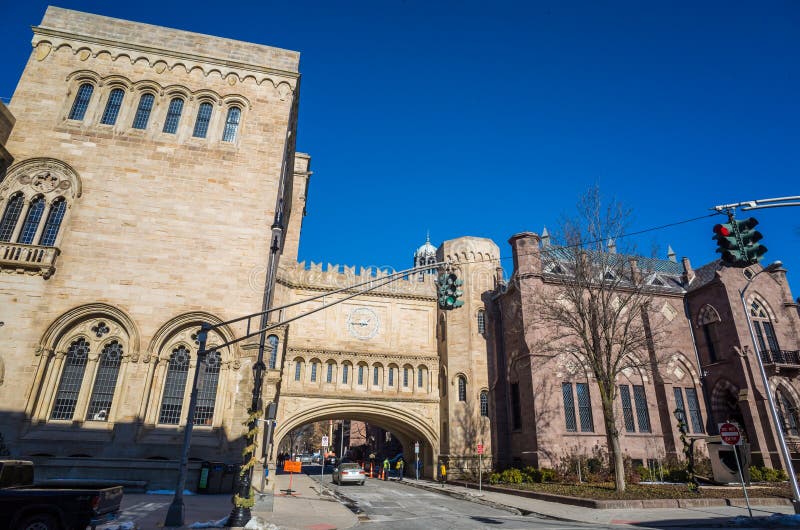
(688, 273)
(525, 251)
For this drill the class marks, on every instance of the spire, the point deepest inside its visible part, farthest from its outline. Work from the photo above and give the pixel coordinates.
(428, 236)
(545, 237)
(671, 254)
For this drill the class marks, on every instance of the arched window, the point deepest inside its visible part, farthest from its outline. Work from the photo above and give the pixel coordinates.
(71, 379)
(203, 119)
(789, 416)
(298, 367)
(81, 103)
(207, 382)
(272, 340)
(376, 376)
(10, 216)
(485, 403)
(406, 374)
(32, 220)
(112, 107)
(481, 321)
(174, 386)
(329, 374)
(360, 374)
(53, 222)
(391, 376)
(462, 388)
(708, 320)
(314, 371)
(420, 376)
(143, 111)
(105, 382)
(765, 333)
(173, 116)
(345, 373)
(232, 124)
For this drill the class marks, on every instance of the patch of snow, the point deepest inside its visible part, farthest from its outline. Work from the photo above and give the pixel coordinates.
(125, 525)
(167, 492)
(210, 524)
(257, 523)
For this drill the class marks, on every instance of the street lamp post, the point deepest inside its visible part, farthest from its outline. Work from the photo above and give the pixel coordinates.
(787, 457)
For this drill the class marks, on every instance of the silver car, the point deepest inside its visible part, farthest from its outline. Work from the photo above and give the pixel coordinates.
(349, 472)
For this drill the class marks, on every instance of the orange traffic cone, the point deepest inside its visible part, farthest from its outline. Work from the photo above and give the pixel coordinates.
(370, 470)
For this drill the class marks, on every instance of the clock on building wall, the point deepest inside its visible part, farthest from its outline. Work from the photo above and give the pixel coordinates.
(363, 323)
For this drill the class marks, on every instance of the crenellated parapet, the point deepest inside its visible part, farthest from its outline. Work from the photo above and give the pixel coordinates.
(165, 50)
(316, 277)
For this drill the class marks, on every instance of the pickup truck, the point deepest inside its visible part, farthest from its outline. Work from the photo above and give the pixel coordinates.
(24, 506)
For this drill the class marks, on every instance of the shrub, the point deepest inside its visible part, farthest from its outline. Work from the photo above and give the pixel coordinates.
(676, 475)
(531, 474)
(511, 476)
(767, 474)
(756, 475)
(548, 475)
(494, 478)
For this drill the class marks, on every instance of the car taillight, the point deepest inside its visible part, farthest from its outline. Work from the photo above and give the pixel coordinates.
(95, 502)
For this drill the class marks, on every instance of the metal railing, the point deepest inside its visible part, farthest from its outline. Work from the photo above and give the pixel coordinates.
(29, 257)
(784, 357)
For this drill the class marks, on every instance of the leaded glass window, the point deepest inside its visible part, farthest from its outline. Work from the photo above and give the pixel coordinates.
(53, 222)
(329, 375)
(405, 377)
(272, 340)
(772, 341)
(569, 407)
(481, 321)
(375, 376)
(32, 220)
(314, 372)
(71, 379)
(105, 382)
(642, 413)
(203, 119)
(419, 378)
(81, 102)
(680, 407)
(112, 107)
(143, 111)
(207, 382)
(361, 374)
(391, 376)
(173, 116)
(174, 386)
(694, 410)
(485, 404)
(627, 408)
(462, 388)
(585, 407)
(10, 216)
(345, 374)
(298, 365)
(232, 124)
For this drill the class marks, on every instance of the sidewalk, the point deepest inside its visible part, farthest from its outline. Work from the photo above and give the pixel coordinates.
(651, 517)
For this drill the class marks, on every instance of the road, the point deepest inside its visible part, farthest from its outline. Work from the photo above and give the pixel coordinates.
(395, 505)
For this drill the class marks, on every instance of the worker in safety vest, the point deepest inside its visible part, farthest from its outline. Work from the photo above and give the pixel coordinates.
(386, 468)
(443, 473)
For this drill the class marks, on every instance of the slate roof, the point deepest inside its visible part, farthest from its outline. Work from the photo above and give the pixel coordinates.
(705, 274)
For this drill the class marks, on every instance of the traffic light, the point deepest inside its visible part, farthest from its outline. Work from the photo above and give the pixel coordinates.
(448, 290)
(752, 250)
(738, 242)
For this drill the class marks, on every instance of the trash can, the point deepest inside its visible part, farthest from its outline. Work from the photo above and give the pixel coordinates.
(202, 484)
(229, 479)
(215, 474)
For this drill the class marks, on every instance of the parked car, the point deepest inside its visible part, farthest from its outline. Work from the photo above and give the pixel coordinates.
(306, 458)
(349, 473)
(24, 506)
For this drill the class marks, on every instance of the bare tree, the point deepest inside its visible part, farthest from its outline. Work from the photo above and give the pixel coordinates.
(594, 306)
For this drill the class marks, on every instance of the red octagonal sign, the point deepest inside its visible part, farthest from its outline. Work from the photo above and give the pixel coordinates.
(729, 433)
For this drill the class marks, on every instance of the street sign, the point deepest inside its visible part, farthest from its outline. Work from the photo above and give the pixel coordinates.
(416, 448)
(324, 441)
(480, 449)
(729, 434)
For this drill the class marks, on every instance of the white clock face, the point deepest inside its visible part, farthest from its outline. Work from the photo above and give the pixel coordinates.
(363, 323)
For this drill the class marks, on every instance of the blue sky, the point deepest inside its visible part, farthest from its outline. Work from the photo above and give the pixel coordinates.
(490, 118)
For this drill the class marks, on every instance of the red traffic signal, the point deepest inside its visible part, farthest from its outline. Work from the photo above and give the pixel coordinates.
(722, 230)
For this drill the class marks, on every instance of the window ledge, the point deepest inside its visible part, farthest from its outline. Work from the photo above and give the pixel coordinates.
(30, 259)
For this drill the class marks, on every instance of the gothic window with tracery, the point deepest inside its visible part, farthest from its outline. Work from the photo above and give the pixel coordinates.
(10, 216)
(765, 331)
(207, 383)
(484, 403)
(32, 219)
(462, 388)
(105, 382)
(69, 385)
(53, 222)
(174, 386)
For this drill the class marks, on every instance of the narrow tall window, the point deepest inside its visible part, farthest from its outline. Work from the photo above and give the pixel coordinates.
(329, 375)
(53, 222)
(345, 374)
(680, 407)
(788, 414)
(585, 407)
(32, 220)
(143, 111)
(112, 107)
(232, 124)
(81, 102)
(462, 388)
(485, 403)
(298, 365)
(642, 413)
(207, 382)
(516, 410)
(627, 408)
(11, 216)
(391, 376)
(173, 116)
(419, 378)
(375, 376)
(203, 119)
(314, 372)
(481, 321)
(360, 374)
(707, 335)
(405, 377)
(71, 379)
(105, 382)
(174, 386)
(569, 407)
(273, 351)
(694, 410)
